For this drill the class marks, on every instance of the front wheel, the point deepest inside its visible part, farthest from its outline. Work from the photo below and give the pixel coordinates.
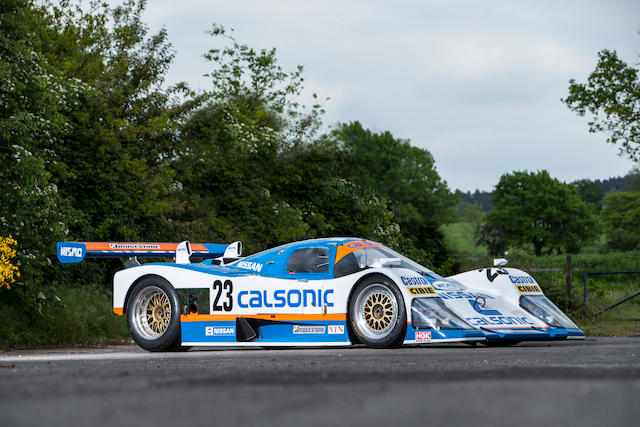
(377, 313)
(153, 315)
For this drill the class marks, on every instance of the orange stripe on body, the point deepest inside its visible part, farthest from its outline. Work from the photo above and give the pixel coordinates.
(346, 248)
(118, 310)
(163, 247)
(281, 317)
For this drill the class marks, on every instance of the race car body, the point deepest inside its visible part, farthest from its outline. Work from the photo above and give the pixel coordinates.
(322, 292)
(510, 305)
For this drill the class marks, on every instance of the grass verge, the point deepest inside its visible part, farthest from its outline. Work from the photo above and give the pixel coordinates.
(58, 315)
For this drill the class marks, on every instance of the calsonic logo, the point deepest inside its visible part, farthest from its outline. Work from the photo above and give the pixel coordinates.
(499, 321)
(299, 329)
(422, 336)
(133, 246)
(521, 279)
(478, 305)
(335, 329)
(285, 298)
(71, 252)
(462, 295)
(414, 281)
(422, 290)
(528, 288)
(219, 331)
(248, 265)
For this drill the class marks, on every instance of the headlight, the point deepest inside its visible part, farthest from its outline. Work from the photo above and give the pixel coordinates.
(545, 310)
(431, 313)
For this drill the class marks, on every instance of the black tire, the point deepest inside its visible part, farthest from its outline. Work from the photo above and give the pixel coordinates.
(151, 296)
(374, 318)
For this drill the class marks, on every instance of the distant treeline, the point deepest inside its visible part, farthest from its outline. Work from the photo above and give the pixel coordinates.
(628, 183)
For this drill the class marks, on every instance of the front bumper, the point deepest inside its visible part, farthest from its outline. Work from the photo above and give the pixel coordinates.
(533, 334)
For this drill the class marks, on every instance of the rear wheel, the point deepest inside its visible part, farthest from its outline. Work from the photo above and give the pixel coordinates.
(153, 315)
(377, 314)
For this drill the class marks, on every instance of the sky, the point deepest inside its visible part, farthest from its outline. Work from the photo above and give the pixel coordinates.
(477, 83)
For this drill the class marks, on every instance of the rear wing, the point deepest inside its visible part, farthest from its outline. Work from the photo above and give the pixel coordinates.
(73, 252)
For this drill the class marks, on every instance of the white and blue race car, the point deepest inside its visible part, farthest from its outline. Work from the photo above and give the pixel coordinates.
(321, 292)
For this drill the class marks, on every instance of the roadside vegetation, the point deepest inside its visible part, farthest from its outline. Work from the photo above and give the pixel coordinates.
(94, 145)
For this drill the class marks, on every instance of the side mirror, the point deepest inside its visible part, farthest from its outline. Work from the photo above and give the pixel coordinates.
(387, 262)
(500, 262)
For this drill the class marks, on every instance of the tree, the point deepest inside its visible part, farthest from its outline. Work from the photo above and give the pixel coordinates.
(389, 166)
(35, 99)
(612, 96)
(533, 208)
(590, 192)
(621, 217)
(113, 164)
(492, 236)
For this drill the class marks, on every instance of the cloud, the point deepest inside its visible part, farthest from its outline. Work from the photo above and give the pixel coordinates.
(477, 83)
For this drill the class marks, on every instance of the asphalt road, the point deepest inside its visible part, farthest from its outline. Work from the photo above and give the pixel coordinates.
(590, 383)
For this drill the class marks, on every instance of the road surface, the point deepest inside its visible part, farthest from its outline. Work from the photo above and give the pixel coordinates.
(595, 382)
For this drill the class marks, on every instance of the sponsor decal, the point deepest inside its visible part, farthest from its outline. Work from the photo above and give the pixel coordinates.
(75, 252)
(212, 331)
(499, 321)
(423, 336)
(285, 298)
(522, 279)
(248, 265)
(308, 330)
(358, 244)
(462, 295)
(70, 252)
(335, 329)
(414, 281)
(133, 246)
(479, 304)
(422, 290)
(528, 288)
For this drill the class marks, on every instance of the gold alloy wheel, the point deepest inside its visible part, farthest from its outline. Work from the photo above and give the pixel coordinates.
(151, 313)
(378, 311)
(158, 313)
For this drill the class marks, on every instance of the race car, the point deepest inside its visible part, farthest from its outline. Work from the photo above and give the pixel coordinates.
(320, 292)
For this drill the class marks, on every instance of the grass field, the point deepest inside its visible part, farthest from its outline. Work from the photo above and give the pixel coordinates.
(603, 291)
(459, 237)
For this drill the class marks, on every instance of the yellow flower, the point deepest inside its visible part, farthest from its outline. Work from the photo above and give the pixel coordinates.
(8, 271)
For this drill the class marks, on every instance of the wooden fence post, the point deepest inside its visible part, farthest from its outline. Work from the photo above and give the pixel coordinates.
(568, 272)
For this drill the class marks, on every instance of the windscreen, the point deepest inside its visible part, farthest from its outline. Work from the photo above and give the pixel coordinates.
(373, 256)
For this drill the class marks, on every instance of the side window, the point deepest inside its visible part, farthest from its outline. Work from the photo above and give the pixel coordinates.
(309, 260)
(347, 265)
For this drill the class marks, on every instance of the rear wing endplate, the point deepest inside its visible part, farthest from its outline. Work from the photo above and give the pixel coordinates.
(74, 252)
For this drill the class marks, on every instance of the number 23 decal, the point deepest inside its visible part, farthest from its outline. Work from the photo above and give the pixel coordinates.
(218, 288)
